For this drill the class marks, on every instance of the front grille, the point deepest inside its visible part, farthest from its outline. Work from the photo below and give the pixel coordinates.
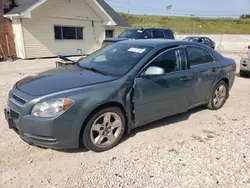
(14, 114)
(18, 99)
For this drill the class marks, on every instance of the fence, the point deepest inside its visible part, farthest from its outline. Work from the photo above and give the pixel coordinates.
(7, 44)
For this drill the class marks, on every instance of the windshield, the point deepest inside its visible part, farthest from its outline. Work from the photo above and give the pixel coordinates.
(116, 59)
(131, 34)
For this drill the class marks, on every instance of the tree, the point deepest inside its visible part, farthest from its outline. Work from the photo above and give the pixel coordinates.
(245, 16)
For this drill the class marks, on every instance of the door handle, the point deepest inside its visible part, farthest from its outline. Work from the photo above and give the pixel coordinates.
(185, 78)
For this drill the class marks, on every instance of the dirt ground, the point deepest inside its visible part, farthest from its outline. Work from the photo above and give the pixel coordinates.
(200, 148)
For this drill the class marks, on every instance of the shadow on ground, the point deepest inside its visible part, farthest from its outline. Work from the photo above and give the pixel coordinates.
(167, 121)
(246, 77)
(163, 122)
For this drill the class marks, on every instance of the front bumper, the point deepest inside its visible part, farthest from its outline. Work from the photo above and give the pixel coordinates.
(56, 133)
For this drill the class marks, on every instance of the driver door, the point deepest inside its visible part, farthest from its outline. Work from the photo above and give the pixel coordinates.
(158, 96)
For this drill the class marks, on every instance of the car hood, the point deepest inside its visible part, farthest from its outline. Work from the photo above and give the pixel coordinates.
(59, 79)
(115, 39)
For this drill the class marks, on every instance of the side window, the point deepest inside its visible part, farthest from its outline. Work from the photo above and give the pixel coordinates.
(158, 34)
(147, 34)
(172, 60)
(168, 34)
(198, 56)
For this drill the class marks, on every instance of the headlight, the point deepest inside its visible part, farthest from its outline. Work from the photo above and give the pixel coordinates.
(51, 108)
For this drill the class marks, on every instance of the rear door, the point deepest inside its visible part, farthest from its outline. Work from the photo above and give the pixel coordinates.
(205, 72)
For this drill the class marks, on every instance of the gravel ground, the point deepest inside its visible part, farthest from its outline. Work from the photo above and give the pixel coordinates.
(200, 148)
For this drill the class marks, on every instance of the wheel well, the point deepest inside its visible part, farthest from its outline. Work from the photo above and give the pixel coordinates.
(226, 81)
(103, 106)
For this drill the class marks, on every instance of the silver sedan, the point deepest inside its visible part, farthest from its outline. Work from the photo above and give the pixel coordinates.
(245, 64)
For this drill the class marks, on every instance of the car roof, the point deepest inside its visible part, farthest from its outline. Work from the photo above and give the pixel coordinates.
(158, 42)
(191, 37)
(144, 29)
(194, 37)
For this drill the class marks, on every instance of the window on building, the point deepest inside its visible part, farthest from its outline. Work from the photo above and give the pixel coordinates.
(65, 33)
(109, 33)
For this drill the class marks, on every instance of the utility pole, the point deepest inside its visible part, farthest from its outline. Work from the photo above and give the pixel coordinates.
(192, 15)
(248, 6)
(128, 6)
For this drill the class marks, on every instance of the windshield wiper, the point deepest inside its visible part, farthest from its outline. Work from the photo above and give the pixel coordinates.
(95, 70)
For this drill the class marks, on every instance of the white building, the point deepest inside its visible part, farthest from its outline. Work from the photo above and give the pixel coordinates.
(47, 28)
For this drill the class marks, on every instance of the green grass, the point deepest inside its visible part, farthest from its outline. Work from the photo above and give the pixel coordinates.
(188, 25)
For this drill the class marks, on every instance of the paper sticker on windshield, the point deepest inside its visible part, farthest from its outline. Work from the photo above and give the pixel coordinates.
(139, 31)
(137, 50)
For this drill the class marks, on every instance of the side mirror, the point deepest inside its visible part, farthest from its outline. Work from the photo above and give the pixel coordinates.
(154, 71)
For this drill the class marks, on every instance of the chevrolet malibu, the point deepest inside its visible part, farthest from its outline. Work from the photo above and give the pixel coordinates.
(94, 102)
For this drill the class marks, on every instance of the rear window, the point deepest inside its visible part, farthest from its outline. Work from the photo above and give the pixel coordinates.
(194, 39)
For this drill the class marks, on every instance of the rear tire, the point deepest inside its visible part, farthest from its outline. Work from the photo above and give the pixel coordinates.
(104, 130)
(218, 97)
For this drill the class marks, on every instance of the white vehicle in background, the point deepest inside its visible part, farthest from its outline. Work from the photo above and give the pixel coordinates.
(245, 63)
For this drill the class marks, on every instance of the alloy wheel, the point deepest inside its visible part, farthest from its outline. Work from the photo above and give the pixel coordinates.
(106, 129)
(219, 95)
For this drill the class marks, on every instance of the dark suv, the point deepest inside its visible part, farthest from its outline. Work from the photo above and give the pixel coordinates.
(149, 33)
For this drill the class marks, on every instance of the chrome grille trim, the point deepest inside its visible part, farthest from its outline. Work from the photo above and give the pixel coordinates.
(17, 100)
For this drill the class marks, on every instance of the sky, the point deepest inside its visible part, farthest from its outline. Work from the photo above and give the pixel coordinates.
(199, 8)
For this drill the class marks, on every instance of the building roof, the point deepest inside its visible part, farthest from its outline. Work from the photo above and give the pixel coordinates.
(24, 5)
(119, 20)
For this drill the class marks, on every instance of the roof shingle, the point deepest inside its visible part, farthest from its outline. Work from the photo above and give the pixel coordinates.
(22, 6)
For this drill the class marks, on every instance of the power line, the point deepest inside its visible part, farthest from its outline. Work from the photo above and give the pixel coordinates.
(181, 12)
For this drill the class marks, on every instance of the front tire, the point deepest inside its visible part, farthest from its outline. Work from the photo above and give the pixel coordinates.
(104, 130)
(218, 97)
